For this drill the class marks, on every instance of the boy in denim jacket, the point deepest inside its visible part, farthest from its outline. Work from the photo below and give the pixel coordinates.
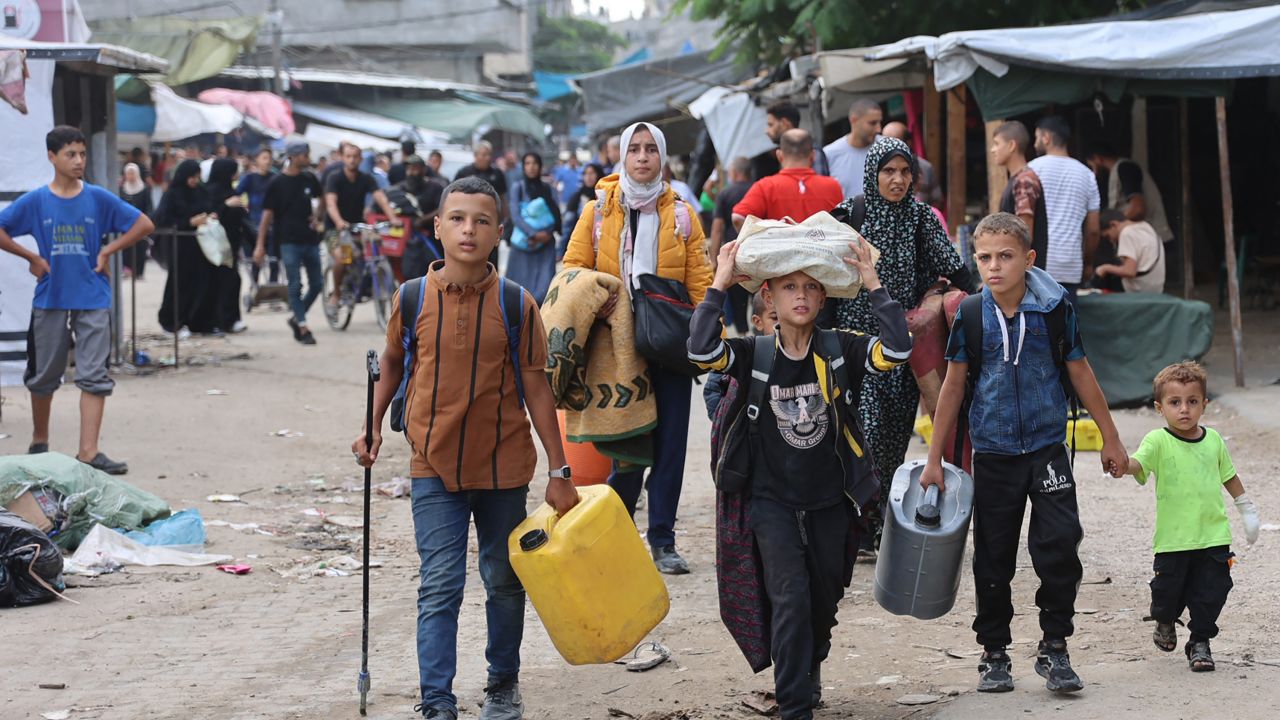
(1018, 424)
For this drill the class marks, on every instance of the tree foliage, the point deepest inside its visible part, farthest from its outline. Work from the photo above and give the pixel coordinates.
(573, 45)
(773, 29)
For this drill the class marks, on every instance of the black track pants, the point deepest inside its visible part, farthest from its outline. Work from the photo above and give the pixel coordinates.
(1002, 485)
(1197, 580)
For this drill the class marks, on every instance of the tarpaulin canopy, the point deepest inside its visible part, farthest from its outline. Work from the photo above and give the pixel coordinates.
(324, 139)
(1191, 49)
(178, 118)
(365, 122)
(617, 97)
(734, 121)
(460, 118)
(553, 86)
(195, 49)
(135, 118)
(267, 108)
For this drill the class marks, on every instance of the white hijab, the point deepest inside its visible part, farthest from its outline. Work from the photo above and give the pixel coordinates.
(133, 185)
(635, 194)
(643, 256)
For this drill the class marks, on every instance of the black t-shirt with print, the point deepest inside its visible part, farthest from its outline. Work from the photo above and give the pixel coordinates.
(796, 460)
(289, 198)
(351, 195)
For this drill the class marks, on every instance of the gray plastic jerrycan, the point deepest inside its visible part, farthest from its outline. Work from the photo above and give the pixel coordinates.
(922, 547)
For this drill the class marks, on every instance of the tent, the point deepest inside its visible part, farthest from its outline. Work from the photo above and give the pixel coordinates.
(1192, 51)
(734, 121)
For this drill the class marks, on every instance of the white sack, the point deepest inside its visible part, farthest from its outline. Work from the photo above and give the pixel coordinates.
(817, 246)
(104, 544)
(214, 244)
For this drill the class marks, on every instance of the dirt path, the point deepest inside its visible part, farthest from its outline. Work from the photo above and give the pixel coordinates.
(196, 643)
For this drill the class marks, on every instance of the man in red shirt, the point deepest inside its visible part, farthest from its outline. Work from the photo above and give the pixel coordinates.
(796, 191)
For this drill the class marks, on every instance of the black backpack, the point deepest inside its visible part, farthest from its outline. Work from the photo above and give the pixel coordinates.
(735, 429)
(1055, 322)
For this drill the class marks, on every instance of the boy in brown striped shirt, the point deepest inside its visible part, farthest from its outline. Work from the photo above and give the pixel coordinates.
(473, 454)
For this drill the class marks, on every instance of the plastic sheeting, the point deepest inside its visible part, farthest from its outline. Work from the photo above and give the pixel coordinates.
(105, 549)
(617, 97)
(734, 121)
(195, 49)
(460, 119)
(178, 118)
(1204, 46)
(267, 108)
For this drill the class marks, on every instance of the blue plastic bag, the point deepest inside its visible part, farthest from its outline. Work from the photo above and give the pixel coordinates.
(185, 528)
(536, 213)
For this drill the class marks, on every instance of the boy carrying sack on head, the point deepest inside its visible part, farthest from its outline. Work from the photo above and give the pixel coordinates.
(1193, 538)
(1027, 342)
(804, 458)
(473, 455)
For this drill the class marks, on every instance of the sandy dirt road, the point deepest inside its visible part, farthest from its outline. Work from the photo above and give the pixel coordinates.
(197, 643)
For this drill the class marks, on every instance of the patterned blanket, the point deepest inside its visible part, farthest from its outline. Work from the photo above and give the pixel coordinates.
(597, 376)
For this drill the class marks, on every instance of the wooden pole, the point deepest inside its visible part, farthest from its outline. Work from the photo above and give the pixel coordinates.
(997, 176)
(1184, 129)
(932, 120)
(956, 187)
(1229, 237)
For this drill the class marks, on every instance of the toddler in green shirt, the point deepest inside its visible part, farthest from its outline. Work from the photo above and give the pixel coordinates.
(1193, 537)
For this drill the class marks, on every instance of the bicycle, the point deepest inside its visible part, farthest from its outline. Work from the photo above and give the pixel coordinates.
(367, 277)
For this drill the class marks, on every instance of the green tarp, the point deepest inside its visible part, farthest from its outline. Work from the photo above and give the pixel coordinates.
(1129, 337)
(89, 496)
(195, 49)
(460, 118)
(1024, 89)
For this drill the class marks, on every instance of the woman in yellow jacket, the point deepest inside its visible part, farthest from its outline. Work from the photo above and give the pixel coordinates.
(643, 229)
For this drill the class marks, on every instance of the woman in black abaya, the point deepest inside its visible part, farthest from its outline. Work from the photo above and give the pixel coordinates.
(222, 302)
(185, 207)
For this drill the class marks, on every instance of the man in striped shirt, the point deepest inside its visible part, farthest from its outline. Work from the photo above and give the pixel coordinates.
(1071, 203)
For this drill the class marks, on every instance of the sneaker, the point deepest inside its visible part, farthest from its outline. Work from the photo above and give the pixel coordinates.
(669, 561)
(331, 310)
(1053, 663)
(238, 327)
(436, 713)
(502, 701)
(995, 672)
(306, 338)
(297, 329)
(107, 465)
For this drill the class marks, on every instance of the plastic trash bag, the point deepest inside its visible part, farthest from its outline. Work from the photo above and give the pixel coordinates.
(30, 564)
(538, 214)
(213, 241)
(104, 547)
(181, 530)
(817, 246)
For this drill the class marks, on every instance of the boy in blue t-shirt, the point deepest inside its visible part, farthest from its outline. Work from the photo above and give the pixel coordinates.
(1018, 426)
(1193, 537)
(68, 219)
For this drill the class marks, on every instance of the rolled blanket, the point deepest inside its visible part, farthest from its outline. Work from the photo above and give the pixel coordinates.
(597, 376)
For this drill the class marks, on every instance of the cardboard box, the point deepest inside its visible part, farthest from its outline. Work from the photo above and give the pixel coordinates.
(27, 507)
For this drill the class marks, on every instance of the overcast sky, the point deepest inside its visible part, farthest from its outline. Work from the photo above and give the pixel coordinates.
(618, 9)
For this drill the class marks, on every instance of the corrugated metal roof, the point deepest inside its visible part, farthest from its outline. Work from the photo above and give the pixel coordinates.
(348, 77)
(121, 58)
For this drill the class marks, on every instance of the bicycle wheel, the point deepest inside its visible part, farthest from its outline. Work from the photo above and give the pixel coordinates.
(339, 317)
(384, 289)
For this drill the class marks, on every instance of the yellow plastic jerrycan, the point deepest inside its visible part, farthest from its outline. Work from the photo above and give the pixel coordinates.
(589, 577)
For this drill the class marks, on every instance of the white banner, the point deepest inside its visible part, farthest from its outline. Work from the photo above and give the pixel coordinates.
(24, 166)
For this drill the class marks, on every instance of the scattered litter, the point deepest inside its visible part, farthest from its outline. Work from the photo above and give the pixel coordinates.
(1275, 662)
(963, 654)
(340, 566)
(918, 699)
(308, 408)
(346, 521)
(954, 690)
(1087, 611)
(236, 569)
(106, 545)
(224, 498)
(182, 530)
(286, 433)
(615, 712)
(233, 526)
(52, 686)
(395, 488)
(646, 657)
(888, 679)
(762, 702)
(5, 436)
(216, 392)
(1103, 581)
(1270, 527)
(56, 715)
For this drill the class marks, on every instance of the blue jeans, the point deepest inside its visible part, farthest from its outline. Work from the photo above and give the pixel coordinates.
(295, 258)
(440, 522)
(666, 478)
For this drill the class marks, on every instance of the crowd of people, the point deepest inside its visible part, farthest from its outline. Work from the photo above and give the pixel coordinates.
(628, 214)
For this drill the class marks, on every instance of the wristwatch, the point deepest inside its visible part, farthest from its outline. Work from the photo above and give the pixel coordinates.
(562, 474)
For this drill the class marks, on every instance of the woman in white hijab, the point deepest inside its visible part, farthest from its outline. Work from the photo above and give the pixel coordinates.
(134, 190)
(639, 226)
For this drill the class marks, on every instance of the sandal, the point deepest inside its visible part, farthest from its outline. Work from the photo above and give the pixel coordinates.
(1165, 636)
(1199, 657)
(38, 448)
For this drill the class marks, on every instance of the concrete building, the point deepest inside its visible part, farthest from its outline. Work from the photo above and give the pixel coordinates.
(664, 35)
(462, 42)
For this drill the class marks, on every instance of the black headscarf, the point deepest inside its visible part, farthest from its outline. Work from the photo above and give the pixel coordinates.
(534, 184)
(589, 193)
(221, 174)
(182, 202)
